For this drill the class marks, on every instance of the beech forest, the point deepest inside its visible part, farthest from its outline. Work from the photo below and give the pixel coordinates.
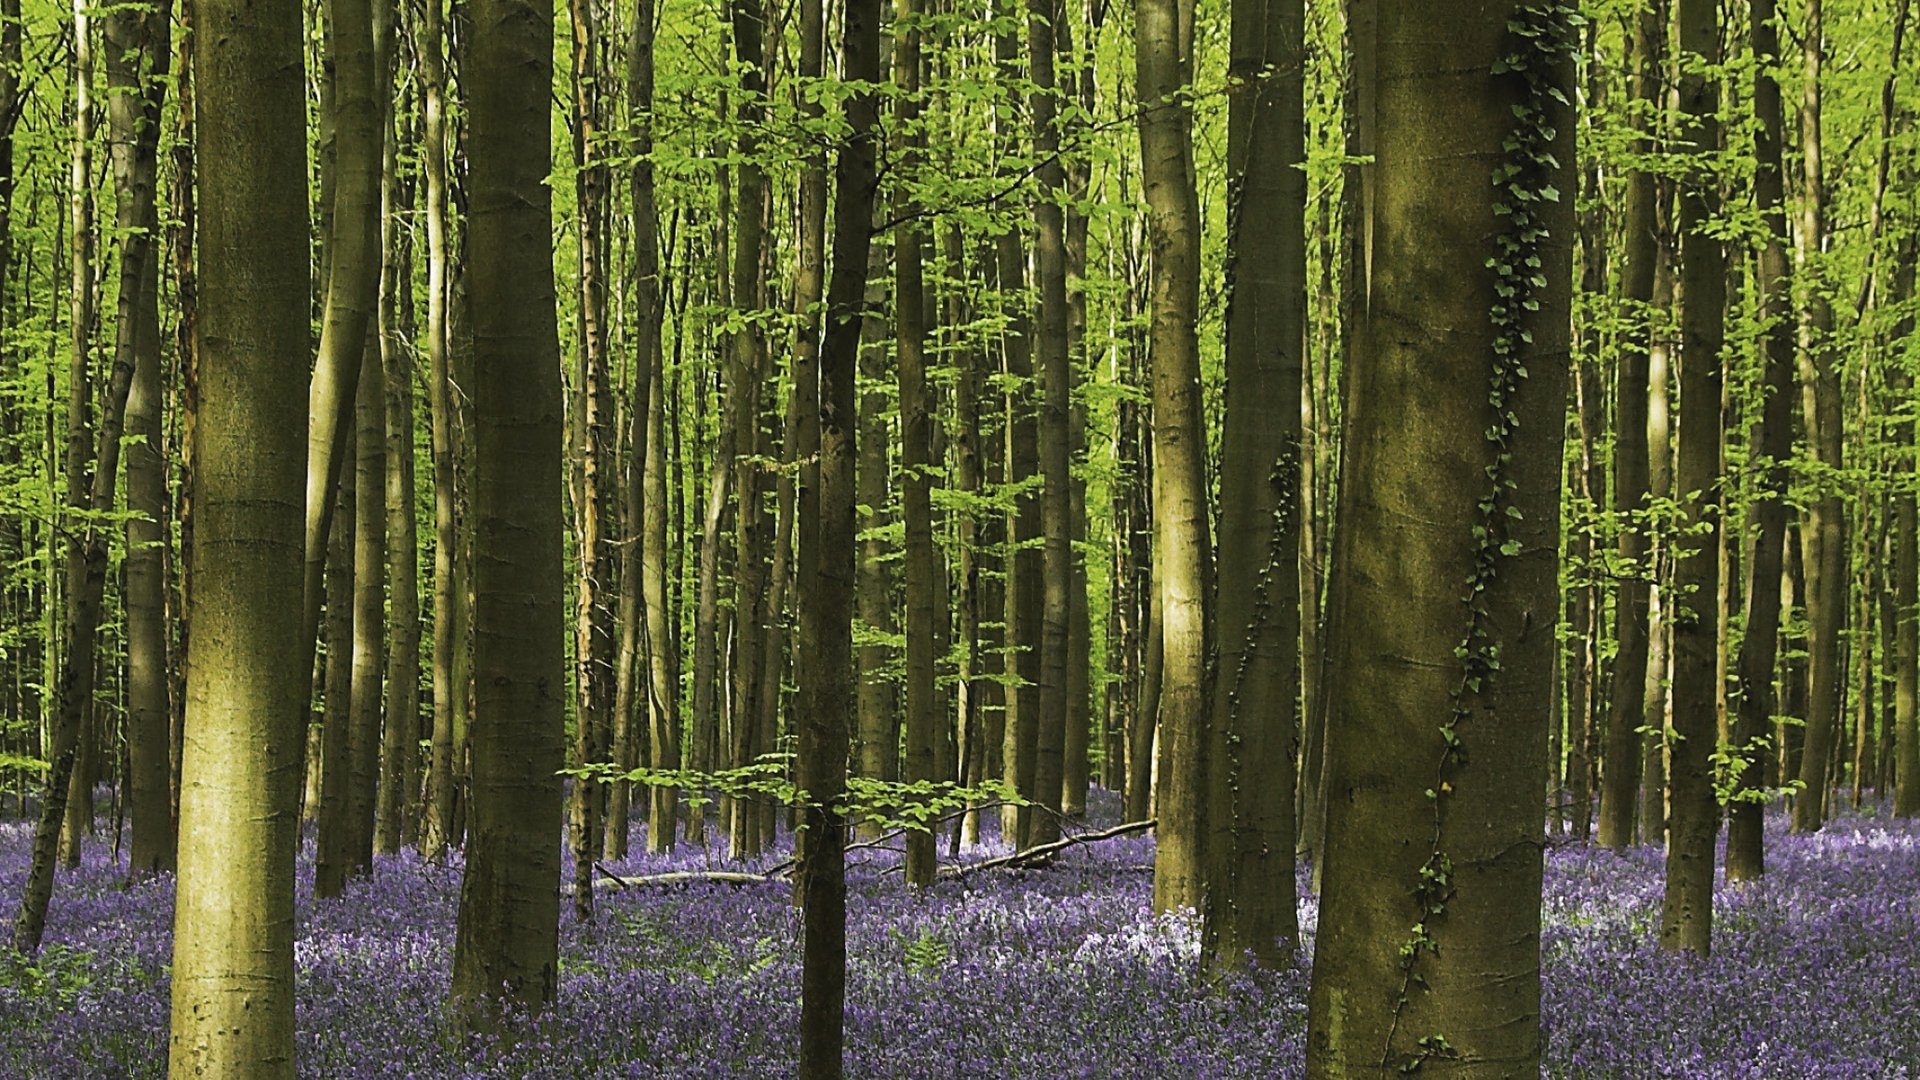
(977, 539)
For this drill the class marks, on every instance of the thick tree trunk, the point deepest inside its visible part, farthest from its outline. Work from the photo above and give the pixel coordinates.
(233, 977)
(507, 943)
(1250, 833)
(1445, 592)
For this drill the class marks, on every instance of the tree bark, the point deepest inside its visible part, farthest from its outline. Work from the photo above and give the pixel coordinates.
(233, 977)
(1445, 588)
(1163, 43)
(1825, 530)
(506, 946)
(137, 53)
(1250, 886)
(1686, 917)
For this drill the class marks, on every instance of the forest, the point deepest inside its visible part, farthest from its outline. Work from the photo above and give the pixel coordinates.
(905, 538)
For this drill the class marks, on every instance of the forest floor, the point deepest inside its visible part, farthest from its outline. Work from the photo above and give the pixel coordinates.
(1048, 973)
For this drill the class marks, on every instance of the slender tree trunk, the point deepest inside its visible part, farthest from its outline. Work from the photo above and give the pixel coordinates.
(333, 842)
(448, 698)
(592, 637)
(1445, 593)
(644, 504)
(828, 606)
(1825, 531)
(1686, 919)
(1163, 42)
(1024, 591)
(916, 438)
(1755, 699)
(1053, 407)
(369, 610)
(137, 54)
(1620, 775)
(233, 977)
(81, 645)
(507, 943)
(351, 275)
(398, 819)
(1653, 693)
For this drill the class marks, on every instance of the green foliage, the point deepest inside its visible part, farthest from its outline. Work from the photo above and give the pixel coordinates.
(915, 806)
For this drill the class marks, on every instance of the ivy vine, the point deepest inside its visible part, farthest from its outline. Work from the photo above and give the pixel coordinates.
(1542, 42)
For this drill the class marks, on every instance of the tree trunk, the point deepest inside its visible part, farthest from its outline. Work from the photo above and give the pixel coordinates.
(592, 630)
(369, 610)
(137, 53)
(1445, 593)
(351, 275)
(1250, 887)
(233, 977)
(1163, 41)
(1686, 918)
(1825, 531)
(507, 941)
(1024, 591)
(644, 505)
(828, 606)
(448, 698)
(921, 568)
(1755, 700)
(1620, 774)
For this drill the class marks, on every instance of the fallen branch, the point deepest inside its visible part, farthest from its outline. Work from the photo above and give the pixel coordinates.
(687, 877)
(1044, 852)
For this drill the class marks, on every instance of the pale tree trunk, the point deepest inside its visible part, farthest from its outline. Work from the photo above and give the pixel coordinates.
(81, 627)
(1024, 590)
(398, 818)
(636, 577)
(1653, 692)
(351, 277)
(1686, 919)
(876, 708)
(437, 833)
(137, 50)
(1445, 592)
(1250, 834)
(506, 946)
(1163, 42)
(592, 634)
(233, 978)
